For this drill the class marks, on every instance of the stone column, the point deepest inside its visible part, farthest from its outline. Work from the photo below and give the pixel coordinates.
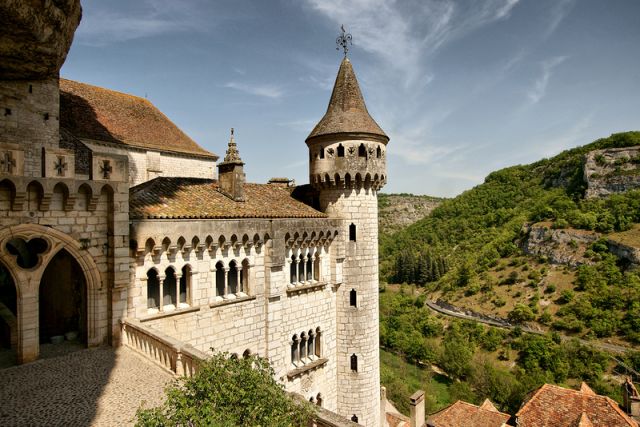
(161, 291)
(226, 282)
(238, 281)
(178, 277)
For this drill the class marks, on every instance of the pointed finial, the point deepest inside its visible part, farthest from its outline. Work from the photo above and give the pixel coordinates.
(231, 132)
(232, 155)
(343, 40)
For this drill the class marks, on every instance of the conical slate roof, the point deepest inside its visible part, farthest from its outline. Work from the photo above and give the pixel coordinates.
(347, 112)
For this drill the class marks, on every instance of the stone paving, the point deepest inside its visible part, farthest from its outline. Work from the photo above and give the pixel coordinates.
(95, 387)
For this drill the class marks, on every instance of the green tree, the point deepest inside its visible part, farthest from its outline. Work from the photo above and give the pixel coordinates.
(228, 392)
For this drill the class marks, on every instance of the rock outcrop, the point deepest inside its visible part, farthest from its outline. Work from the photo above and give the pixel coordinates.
(36, 36)
(399, 210)
(612, 170)
(559, 246)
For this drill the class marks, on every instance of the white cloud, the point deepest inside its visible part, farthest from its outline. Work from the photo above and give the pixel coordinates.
(558, 12)
(267, 91)
(539, 88)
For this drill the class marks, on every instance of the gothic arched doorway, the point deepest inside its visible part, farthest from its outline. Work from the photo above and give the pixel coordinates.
(8, 310)
(63, 299)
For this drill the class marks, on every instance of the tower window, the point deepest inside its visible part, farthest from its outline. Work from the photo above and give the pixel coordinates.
(354, 418)
(354, 363)
(340, 150)
(353, 298)
(322, 153)
(352, 232)
(362, 151)
(378, 152)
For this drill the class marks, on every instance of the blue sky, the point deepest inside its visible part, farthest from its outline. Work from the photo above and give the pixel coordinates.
(462, 87)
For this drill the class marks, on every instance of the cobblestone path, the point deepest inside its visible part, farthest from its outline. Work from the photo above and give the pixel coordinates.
(95, 387)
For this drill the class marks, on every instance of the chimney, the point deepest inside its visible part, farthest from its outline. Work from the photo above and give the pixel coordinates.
(383, 407)
(417, 409)
(231, 174)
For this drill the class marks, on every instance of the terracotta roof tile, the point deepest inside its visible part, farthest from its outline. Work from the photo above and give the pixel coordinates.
(554, 406)
(347, 112)
(92, 112)
(166, 197)
(465, 414)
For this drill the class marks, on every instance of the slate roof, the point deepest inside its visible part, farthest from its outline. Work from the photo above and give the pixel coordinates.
(166, 197)
(347, 112)
(556, 406)
(466, 414)
(92, 112)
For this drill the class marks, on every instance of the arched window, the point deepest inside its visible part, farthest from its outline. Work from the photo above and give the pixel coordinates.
(340, 150)
(220, 279)
(353, 298)
(232, 278)
(301, 269)
(322, 153)
(311, 347)
(294, 349)
(362, 151)
(309, 268)
(185, 286)
(318, 342)
(293, 271)
(352, 232)
(246, 353)
(316, 267)
(354, 363)
(153, 289)
(303, 346)
(169, 287)
(319, 399)
(312, 400)
(244, 277)
(378, 152)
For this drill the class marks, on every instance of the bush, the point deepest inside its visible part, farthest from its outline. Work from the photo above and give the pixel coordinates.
(551, 288)
(228, 392)
(521, 313)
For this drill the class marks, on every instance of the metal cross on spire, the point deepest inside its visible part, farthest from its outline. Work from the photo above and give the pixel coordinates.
(343, 40)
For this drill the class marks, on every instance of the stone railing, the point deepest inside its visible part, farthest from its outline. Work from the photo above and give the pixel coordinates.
(171, 354)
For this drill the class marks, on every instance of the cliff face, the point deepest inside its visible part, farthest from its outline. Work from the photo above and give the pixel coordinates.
(397, 211)
(36, 36)
(612, 170)
(562, 246)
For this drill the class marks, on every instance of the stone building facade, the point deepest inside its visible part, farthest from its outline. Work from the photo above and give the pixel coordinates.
(110, 213)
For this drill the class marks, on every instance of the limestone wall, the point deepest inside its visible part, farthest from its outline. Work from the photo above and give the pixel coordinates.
(145, 165)
(357, 325)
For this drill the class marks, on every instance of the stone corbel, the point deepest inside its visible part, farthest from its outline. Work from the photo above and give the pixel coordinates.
(93, 202)
(70, 202)
(185, 249)
(18, 200)
(45, 202)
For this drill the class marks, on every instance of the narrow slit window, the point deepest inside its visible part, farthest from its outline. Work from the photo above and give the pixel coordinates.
(352, 232)
(340, 150)
(353, 298)
(354, 363)
(362, 151)
(322, 153)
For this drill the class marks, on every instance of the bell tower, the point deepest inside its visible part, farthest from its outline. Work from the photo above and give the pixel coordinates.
(347, 152)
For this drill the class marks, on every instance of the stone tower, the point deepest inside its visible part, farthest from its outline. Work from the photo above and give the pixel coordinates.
(347, 166)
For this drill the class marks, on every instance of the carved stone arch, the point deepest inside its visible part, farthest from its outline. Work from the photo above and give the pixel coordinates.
(7, 194)
(337, 179)
(327, 179)
(150, 245)
(27, 283)
(60, 196)
(181, 242)
(347, 180)
(84, 194)
(35, 196)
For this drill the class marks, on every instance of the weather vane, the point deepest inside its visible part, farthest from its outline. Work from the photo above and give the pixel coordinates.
(343, 40)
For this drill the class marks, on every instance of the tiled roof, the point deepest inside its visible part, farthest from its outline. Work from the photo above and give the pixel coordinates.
(556, 406)
(92, 112)
(166, 197)
(347, 112)
(465, 414)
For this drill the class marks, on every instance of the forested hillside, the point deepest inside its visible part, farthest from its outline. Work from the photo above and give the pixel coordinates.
(470, 248)
(552, 246)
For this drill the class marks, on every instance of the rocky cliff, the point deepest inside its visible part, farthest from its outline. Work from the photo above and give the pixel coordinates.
(559, 246)
(612, 170)
(397, 211)
(36, 36)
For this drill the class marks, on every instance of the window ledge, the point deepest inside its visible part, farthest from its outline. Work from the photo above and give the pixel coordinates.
(163, 314)
(235, 300)
(308, 287)
(307, 367)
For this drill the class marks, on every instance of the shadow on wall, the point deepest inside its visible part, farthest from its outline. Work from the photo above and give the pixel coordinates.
(78, 119)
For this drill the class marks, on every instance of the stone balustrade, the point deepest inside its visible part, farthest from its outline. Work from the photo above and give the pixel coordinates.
(173, 355)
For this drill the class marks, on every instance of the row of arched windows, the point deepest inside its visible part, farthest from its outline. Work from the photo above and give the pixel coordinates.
(317, 399)
(304, 268)
(232, 280)
(170, 290)
(306, 347)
